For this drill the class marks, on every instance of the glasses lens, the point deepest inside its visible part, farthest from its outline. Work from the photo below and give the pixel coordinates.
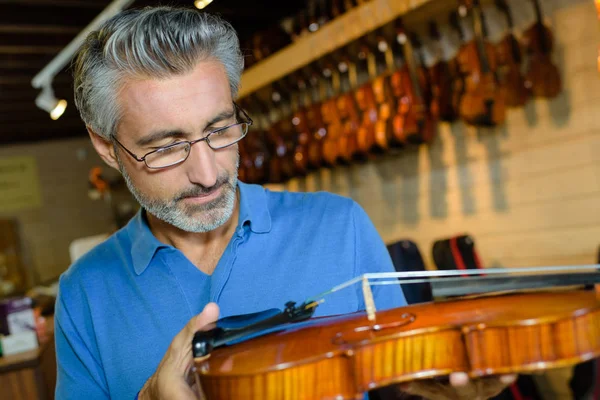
(168, 156)
(228, 136)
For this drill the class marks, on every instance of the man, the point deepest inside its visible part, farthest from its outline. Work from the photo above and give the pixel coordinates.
(156, 90)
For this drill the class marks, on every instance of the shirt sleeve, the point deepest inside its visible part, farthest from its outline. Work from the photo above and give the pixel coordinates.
(372, 256)
(79, 372)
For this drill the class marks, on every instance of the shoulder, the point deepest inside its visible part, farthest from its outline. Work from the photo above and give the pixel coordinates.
(322, 204)
(102, 262)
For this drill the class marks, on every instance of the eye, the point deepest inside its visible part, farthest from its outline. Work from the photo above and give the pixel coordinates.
(221, 131)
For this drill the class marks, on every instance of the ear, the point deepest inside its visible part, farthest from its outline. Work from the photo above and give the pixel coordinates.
(104, 148)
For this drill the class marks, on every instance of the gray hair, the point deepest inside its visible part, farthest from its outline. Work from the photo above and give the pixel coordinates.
(158, 42)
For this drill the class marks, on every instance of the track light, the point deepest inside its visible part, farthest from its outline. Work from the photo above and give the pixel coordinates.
(49, 103)
(200, 4)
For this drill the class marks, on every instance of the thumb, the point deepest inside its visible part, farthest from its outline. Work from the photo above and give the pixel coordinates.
(209, 315)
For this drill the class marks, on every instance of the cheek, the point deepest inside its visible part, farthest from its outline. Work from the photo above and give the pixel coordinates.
(226, 158)
(154, 183)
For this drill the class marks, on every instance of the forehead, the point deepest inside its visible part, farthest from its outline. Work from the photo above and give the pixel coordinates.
(180, 102)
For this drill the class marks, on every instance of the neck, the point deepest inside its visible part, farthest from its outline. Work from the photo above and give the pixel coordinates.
(203, 248)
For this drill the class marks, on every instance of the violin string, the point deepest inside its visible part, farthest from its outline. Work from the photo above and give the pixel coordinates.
(453, 275)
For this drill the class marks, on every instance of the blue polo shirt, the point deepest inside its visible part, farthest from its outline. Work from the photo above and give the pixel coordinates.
(121, 304)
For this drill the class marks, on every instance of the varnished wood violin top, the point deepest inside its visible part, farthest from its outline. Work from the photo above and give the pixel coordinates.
(347, 355)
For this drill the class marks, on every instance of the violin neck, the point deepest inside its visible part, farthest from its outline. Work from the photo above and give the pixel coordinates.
(411, 64)
(479, 31)
(540, 27)
(538, 11)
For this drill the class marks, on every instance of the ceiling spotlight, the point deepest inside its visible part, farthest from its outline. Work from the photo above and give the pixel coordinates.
(200, 4)
(49, 103)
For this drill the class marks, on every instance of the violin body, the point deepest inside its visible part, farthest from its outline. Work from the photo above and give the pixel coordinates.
(509, 59)
(412, 122)
(446, 89)
(303, 136)
(365, 99)
(281, 166)
(341, 357)
(330, 147)
(483, 100)
(383, 129)
(318, 131)
(348, 113)
(542, 77)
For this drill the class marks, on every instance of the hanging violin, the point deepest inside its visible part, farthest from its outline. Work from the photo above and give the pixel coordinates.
(413, 122)
(490, 329)
(483, 102)
(542, 77)
(443, 75)
(510, 59)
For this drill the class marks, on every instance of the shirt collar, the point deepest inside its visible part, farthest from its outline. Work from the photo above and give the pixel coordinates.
(254, 211)
(143, 242)
(254, 208)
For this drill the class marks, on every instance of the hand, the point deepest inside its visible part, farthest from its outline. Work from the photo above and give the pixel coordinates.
(461, 387)
(173, 377)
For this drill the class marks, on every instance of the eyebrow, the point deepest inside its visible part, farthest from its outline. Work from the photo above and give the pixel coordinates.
(174, 133)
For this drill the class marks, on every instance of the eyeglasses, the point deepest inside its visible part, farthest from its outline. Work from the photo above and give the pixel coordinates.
(177, 153)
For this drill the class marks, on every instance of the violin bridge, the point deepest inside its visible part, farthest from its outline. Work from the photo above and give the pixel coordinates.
(368, 296)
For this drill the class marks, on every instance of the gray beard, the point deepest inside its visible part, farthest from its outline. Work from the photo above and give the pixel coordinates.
(196, 218)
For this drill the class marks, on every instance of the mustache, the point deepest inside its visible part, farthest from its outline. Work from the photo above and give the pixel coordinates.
(199, 190)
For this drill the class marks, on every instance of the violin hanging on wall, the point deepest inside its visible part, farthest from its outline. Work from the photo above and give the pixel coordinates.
(483, 102)
(510, 58)
(542, 77)
(443, 75)
(413, 122)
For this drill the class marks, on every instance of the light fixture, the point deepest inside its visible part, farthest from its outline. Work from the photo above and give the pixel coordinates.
(49, 103)
(43, 79)
(200, 4)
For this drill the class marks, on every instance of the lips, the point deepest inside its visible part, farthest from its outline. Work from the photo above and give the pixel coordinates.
(203, 196)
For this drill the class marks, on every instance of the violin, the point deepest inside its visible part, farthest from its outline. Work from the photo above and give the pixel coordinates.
(347, 110)
(281, 166)
(483, 102)
(510, 59)
(317, 126)
(365, 100)
(382, 91)
(329, 110)
(542, 77)
(254, 157)
(458, 83)
(278, 354)
(413, 122)
(300, 125)
(443, 75)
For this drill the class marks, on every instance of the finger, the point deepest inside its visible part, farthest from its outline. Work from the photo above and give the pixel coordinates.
(459, 379)
(508, 379)
(428, 389)
(209, 315)
(492, 386)
(180, 351)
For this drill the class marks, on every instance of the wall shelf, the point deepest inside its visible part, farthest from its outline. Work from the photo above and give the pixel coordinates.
(337, 33)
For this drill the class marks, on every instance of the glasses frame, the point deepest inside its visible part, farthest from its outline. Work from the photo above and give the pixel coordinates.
(206, 139)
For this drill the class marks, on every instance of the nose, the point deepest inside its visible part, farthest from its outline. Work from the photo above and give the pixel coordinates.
(201, 165)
